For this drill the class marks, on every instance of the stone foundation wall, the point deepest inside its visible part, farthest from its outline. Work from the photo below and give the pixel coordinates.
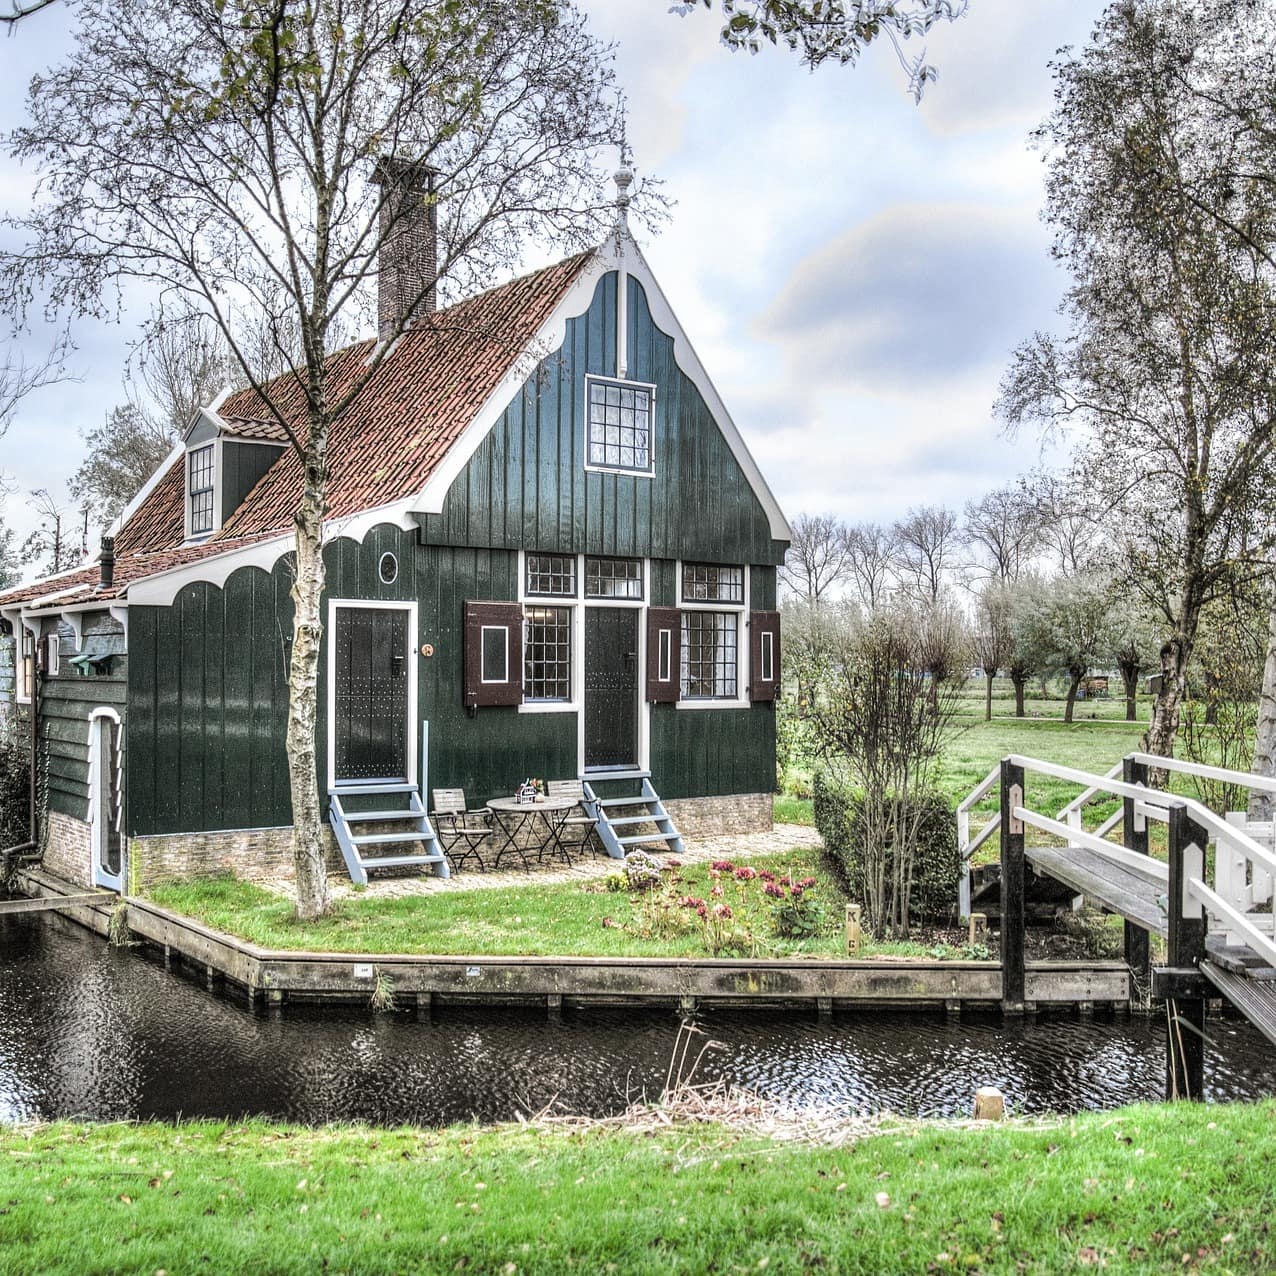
(256, 854)
(251, 854)
(68, 851)
(722, 816)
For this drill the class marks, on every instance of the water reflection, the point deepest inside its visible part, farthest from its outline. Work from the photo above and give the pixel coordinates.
(87, 1030)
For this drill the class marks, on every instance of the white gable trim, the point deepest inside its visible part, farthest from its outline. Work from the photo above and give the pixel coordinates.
(618, 253)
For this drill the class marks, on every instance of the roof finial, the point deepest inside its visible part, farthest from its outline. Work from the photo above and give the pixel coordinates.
(624, 179)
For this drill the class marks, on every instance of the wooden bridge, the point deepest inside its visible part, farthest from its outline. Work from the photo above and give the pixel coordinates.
(1215, 915)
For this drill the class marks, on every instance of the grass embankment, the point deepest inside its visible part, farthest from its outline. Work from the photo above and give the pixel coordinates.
(1140, 1190)
(563, 920)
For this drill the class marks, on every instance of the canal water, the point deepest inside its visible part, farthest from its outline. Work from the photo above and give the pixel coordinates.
(86, 1030)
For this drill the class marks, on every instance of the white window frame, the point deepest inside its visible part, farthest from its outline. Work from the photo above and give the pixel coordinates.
(215, 445)
(100, 876)
(766, 663)
(595, 467)
(413, 716)
(664, 654)
(742, 666)
(578, 603)
(24, 657)
(52, 654)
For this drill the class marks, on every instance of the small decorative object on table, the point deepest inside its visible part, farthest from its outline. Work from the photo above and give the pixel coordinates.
(528, 791)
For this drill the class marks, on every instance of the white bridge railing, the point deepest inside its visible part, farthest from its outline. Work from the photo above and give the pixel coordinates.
(1238, 898)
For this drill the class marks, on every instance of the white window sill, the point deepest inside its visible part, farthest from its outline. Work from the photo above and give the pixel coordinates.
(548, 706)
(712, 704)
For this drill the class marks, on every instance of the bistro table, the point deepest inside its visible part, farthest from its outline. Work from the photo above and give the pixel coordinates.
(537, 823)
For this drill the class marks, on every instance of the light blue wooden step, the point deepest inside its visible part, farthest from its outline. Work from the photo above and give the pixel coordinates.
(401, 861)
(375, 839)
(355, 817)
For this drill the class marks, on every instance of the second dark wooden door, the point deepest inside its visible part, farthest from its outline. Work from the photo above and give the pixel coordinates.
(370, 694)
(611, 687)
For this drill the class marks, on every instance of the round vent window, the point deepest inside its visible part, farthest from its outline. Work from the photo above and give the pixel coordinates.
(389, 569)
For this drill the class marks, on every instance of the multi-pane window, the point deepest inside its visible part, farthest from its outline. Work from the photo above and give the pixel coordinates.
(547, 653)
(709, 655)
(619, 426)
(551, 575)
(613, 578)
(200, 475)
(709, 583)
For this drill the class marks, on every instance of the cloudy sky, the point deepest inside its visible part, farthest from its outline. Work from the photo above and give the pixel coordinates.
(852, 269)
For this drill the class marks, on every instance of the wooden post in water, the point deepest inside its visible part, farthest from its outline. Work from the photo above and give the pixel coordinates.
(1012, 890)
(1138, 952)
(1185, 1048)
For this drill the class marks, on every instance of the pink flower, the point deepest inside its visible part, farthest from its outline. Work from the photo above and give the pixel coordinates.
(722, 866)
(690, 901)
(775, 892)
(723, 911)
(716, 892)
(766, 875)
(673, 863)
(702, 911)
(807, 882)
(745, 874)
(797, 892)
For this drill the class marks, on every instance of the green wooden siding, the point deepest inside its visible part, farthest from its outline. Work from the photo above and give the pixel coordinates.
(708, 752)
(527, 486)
(66, 700)
(208, 704)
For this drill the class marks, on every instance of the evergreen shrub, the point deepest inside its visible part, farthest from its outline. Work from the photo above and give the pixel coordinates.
(937, 870)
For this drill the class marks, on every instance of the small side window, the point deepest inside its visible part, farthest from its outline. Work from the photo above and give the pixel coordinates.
(768, 656)
(664, 662)
(388, 569)
(52, 655)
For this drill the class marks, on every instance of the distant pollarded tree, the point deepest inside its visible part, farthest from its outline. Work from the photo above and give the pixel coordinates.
(1003, 530)
(993, 635)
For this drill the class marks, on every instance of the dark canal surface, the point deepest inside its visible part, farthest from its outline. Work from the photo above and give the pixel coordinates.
(86, 1030)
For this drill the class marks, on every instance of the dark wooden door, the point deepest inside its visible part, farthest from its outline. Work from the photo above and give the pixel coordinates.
(370, 694)
(611, 686)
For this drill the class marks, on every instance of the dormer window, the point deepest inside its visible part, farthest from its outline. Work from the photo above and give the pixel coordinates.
(201, 474)
(619, 426)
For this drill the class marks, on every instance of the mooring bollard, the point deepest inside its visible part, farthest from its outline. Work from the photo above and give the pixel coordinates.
(990, 1103)
(978, 928)
(853, 930)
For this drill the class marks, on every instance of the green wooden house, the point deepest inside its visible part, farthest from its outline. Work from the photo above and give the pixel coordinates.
(549, 553)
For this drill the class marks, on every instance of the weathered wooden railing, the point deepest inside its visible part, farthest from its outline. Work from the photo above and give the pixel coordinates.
(1243, 871)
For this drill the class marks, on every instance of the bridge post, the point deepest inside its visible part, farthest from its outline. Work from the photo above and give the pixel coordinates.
(1012, 890)
(1138, 953)
(1185, 1048)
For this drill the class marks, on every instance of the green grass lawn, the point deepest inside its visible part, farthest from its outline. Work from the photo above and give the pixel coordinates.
(564, 919)
(1146, 1189)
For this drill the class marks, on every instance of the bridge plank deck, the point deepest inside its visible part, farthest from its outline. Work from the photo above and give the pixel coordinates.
(1254, 998)
(49, 904)
(1116, 887)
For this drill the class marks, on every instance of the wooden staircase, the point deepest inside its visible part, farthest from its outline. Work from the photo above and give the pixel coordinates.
(405, 820)
(620, 818)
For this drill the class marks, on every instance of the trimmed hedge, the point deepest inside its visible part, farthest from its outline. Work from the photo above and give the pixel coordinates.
(937, 870)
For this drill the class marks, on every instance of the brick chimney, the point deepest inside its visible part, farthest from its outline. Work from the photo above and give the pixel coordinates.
(409, 241)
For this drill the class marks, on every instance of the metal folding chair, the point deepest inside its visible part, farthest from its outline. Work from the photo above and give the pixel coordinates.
(579, 827)
(455, 826)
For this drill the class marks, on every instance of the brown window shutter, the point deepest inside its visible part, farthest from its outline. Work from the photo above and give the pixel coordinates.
(664, 654)
(764, 655)
(493, 653)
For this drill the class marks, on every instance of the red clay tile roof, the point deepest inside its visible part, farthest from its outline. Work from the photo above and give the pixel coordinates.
(382, 449)
(265, 431)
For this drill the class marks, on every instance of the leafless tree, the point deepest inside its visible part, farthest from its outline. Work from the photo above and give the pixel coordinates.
(18, 379)
(1067, 518)
(1004, 531)
(59, 541)
(993, 636)
(926, 545)
(886, 724)
(818, 557)
(870, 554)
(228, 160)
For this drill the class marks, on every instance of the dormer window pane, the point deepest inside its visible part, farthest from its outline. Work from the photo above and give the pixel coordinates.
(200, 486)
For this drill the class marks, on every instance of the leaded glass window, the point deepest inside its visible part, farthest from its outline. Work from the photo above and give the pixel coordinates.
(551, 575)
(619, 426)
(200, 486)
(547, 653)
(709, 655)
(710, 583)
(613, 578)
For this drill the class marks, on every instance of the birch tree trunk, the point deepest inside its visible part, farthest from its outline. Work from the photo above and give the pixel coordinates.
(303, 683)
(1260, 804)
(1163, 729)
